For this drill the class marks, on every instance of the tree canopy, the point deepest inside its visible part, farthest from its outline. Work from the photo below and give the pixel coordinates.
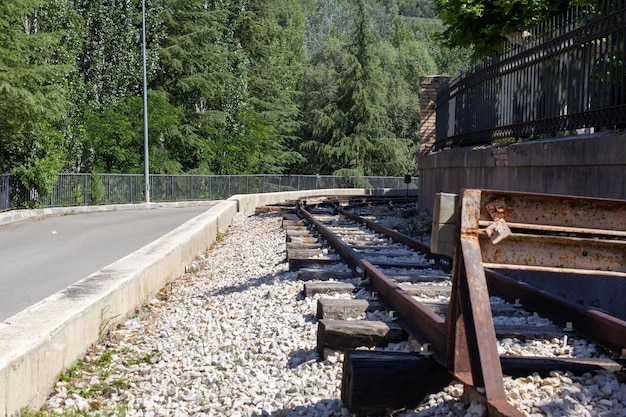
(234, 86)
(484, 24)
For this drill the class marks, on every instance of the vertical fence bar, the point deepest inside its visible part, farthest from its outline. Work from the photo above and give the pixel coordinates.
(5, 192)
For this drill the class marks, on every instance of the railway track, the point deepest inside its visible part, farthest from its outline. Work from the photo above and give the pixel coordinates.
(458, 323)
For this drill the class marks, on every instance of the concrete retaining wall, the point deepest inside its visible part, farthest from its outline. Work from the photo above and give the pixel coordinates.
(592, 166)
(47, 338)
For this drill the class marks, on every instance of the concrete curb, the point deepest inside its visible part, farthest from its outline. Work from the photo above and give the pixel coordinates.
(39, 343)
(19, 215)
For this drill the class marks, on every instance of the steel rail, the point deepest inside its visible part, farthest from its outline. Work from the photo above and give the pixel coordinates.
(449, 341)
(418, 320)
(599, 327)
(443, 261)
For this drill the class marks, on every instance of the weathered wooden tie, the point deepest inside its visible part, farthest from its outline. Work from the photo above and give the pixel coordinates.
(296, 264)
(339, 335)
(351, 308)
(342, 309)
(303, 245)
(401, 276)
(376, 383)
(310, 274)
(313, 288)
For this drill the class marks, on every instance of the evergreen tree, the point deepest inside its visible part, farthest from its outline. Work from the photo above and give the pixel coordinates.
(203, 71)
(319, 84)
(353, 129)
(272, 38)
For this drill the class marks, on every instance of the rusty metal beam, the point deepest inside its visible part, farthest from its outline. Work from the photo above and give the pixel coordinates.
(472, 347)
(559, 211)
(417, 319)
(590, 256)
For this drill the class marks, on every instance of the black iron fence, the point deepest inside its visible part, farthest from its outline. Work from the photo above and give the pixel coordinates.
(93, 189)
(565, 75)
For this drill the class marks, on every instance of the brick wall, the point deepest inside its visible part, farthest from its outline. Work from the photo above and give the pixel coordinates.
(429, 87)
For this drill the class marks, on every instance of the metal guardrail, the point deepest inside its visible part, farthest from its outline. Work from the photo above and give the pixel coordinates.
(94, 189)
(5, 199)
(567, 75)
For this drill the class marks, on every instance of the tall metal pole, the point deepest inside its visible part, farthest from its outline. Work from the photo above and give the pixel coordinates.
(145, 105)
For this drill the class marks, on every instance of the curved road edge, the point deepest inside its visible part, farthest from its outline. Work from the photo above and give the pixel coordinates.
(43, 340)
(47, 338)
(19, 215)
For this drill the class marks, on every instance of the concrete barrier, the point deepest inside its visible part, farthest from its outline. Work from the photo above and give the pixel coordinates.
(39, 343)
(585, 165)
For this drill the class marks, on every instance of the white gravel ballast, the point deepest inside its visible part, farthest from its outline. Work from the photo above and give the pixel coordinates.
(235, 337)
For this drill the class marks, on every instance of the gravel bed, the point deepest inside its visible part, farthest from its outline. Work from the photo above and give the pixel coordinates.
(235, 337)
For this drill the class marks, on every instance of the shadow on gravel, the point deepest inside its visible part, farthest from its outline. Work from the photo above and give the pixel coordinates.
(302, 356)
(310, 318)
(325, 408)
(268, 279)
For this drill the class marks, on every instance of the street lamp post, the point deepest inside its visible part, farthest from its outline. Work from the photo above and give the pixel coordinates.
(145, 105)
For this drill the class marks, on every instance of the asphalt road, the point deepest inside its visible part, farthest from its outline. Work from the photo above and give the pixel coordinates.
(41, 256)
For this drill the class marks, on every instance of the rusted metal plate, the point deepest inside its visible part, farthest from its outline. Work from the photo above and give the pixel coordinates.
(537, 251)
(553, 210)
(476, 310)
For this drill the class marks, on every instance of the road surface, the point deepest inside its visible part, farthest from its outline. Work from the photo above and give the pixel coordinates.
(41, 256)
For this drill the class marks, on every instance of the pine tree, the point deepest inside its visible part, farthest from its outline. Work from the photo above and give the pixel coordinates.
(356, 123)
(272, 38)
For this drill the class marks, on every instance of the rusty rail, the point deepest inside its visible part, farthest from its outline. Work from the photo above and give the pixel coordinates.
(465, 342)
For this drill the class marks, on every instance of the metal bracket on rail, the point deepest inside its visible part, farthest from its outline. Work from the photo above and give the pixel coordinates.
(531, 232)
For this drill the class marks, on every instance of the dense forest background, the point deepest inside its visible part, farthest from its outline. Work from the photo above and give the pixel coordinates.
(234, 86)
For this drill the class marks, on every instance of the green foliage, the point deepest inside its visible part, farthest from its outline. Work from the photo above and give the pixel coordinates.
(71, 372)
(273, 37)
(110, 58)
(79, 197)
(264, 86)
(360, 99)
(96, 189)
(115, 138)
(33, 104)
(484, 24)
(413, 8)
